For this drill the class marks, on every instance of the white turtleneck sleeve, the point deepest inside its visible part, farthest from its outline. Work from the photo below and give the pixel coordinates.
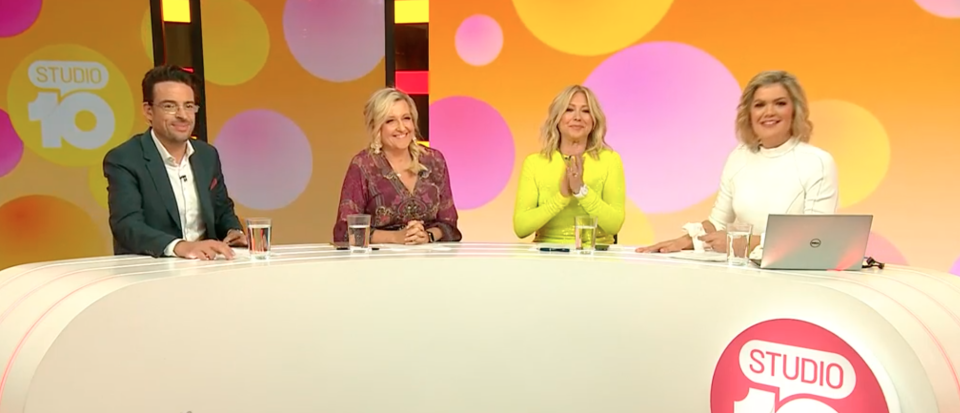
(794, 178)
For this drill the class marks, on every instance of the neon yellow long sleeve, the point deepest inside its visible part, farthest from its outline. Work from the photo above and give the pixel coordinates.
(541, 209)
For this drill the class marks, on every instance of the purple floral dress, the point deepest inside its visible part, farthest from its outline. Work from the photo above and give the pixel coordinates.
(371, 187)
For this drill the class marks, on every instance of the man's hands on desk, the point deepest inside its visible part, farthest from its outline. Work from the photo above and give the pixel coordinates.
(235, 238)
(209, 249)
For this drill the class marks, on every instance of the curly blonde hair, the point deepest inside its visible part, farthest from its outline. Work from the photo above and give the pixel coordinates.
(376, 112)
(550, 131)
(800, 126)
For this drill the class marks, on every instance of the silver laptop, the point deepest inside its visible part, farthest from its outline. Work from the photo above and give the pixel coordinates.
(815, 242)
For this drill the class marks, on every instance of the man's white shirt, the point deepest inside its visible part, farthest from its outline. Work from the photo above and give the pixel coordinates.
(185, 191)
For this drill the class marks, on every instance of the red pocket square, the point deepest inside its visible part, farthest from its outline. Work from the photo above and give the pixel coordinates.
(213, 184)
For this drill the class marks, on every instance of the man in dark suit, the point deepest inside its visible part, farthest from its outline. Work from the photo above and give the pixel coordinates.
(166, 191)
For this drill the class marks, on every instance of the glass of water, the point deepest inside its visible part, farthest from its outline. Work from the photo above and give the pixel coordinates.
(258, 237)
(738, 243)
(358, 232)
(585, 233)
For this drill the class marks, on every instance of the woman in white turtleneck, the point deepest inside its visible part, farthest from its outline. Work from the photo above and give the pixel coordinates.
(773, 171)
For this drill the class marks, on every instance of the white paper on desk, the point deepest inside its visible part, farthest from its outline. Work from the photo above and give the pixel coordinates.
(420, 247)
(244, 254)
(709, 256)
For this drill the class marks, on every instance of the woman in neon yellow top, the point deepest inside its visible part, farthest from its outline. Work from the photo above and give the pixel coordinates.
(575, 173)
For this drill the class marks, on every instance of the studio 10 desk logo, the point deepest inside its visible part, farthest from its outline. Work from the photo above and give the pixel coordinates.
(68, 102)
(792, 366)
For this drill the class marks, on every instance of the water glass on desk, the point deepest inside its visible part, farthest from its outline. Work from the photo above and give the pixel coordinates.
(738, 243)
(258, 237)
(358, 232)
(585, 234)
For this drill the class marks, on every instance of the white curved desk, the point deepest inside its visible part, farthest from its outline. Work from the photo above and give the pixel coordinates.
(472, 328)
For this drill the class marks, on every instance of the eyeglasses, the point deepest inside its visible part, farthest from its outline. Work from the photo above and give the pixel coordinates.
(172, 108)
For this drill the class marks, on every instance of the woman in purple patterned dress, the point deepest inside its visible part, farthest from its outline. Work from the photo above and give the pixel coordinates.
(403, 186)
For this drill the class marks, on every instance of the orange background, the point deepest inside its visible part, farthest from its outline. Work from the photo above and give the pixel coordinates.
(891, 58)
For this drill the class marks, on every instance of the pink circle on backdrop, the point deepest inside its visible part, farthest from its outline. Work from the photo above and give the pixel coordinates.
(670, 114)
(479, 40)
(335, 40)
(949, 9)
(478, 147)
(955, 270)
(266, 158)
(881, 249)
(11, 147)
(16, 16)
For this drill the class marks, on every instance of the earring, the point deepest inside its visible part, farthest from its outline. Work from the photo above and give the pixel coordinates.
(376, 145)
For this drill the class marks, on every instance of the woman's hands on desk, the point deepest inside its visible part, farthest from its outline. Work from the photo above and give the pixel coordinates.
(715, 241)
(414, 234)
(718, 242)
(674, 245)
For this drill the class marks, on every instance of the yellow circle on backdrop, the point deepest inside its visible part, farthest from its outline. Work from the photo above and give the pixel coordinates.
(236, 41)
(600, 28)
(98, 185)
(50, 89)
(858, 143)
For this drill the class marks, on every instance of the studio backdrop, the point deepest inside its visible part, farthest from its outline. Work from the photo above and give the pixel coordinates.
(881, 78)
(286, 85)
(69, 91)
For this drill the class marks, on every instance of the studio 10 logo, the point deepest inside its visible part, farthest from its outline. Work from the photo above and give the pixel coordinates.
(68, 102)
(792, 366)
(68, 91)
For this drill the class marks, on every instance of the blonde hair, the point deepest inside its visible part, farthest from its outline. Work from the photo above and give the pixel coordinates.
(550, 131)
(800, 126)
(375, 113)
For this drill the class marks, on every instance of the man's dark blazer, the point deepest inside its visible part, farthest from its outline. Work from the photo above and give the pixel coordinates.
(144, 217)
